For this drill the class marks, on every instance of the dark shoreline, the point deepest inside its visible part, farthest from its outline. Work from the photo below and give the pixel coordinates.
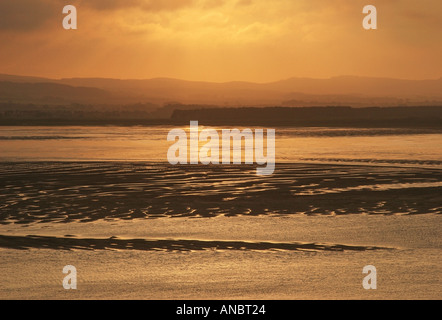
(434, 125)
(343, 117)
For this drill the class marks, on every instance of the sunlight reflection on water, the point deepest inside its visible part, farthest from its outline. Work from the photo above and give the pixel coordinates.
(84, 143)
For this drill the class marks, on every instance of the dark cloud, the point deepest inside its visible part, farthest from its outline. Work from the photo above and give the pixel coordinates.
(25, 15)
(148, 5)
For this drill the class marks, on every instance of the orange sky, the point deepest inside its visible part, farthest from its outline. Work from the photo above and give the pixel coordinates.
(221, 40)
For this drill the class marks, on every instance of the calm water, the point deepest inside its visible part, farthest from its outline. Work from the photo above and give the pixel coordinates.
(141, 226)
(422, 147)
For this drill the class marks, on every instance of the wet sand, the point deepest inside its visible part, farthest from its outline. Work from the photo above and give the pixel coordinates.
(304, 257)
(66, 192)
(152, 231)
(70, 243)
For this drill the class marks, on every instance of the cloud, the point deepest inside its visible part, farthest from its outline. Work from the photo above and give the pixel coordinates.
(147, 5)
(25, 15)
(221, 40)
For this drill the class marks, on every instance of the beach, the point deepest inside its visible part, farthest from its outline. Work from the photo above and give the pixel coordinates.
(247, 153)
(149, 230)
(308, 258)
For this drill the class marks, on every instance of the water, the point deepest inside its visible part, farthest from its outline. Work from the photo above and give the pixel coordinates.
(404, 147)
(95, 173)
(105, 200)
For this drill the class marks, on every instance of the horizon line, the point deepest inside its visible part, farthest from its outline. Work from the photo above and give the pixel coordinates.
(219, 82)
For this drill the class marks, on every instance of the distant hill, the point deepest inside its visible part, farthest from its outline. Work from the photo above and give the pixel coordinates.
(26, 79)
(322, 91)
(350, 85)
(345, 90)
(42, 92)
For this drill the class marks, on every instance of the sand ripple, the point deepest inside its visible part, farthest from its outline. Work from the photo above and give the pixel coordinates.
(67, 192)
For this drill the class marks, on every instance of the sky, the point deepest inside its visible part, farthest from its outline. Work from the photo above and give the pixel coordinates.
(221, 40)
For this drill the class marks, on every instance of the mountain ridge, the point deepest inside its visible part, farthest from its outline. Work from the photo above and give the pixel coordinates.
(331, 91)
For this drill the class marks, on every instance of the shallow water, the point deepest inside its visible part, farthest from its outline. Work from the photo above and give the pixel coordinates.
(105, 200)
(266, 257)
(412, 147)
